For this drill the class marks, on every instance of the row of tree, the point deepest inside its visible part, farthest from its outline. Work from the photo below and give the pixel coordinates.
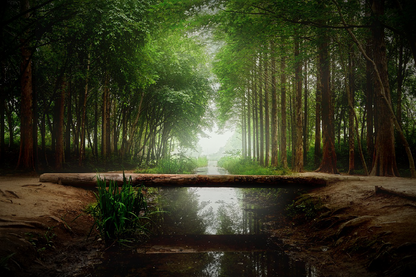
(293, 72)
(119, 78)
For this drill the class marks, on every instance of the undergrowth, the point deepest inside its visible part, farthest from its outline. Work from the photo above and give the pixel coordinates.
(176, 164)
(238, 165)
(120, 213)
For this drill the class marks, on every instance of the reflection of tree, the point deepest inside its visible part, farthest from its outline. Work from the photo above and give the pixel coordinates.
(229, 220)
(181, 212)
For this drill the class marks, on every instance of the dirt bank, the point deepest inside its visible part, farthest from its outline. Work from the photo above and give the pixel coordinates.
(347, 229)
(42, 227)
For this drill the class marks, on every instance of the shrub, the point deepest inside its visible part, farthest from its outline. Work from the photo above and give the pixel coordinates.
(120, 213)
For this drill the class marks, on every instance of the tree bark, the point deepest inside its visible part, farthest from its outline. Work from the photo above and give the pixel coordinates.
(369, 102)
(261, 116)
(283, 147)
(317, 152)
(83, 117)
(26, 153)
(385, 156)
(274, 161)
(329, 158)
(305, 116)
(68, 124)
(298, 150)
(59, 148)
(266, 112)
(350, 96)
(248, 121)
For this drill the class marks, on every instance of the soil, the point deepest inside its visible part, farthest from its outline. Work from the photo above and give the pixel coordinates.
(354, 231)
(44, 227)
(349, 229)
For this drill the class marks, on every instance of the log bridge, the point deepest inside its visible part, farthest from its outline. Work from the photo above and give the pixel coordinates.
(187, 180)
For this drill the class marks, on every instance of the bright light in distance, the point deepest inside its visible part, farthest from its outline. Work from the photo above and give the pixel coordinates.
(214, 142)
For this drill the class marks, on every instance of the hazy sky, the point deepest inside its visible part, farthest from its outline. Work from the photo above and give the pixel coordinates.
(214, 142)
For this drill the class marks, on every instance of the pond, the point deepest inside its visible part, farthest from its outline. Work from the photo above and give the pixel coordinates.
(207, 232)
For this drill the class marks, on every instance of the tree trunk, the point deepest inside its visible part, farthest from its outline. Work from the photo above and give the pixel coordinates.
(305, 117)
(255, 125)
(329, 158)
(266, 112)
(350, 96)
(261, 118)
(400, 77)
(68, 124)
(128, 143)
(369, 102)
(59, 148)
(243, 128)
(96, 126)
(105, 144)
(248, 121)
(256, 116)
(283, 148)
(385, 156)
(84, 111)
(298, 149)
(26, 155)
(274, 161)
(317, 152)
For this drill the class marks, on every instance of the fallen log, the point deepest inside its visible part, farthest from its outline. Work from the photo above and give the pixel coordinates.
(187, 180)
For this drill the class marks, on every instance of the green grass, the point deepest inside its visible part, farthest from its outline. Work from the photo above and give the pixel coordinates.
(120, 213)
(176, 164)
(237, 165)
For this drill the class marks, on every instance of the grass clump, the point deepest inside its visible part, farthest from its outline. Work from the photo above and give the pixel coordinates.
(120, 213)
(238, 165)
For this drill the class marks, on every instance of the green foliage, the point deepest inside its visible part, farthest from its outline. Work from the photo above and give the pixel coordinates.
(176, 164)
(202, 161)
(120, 213)
(237, 165)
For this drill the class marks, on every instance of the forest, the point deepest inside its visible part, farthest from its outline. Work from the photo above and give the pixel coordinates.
(324, 85)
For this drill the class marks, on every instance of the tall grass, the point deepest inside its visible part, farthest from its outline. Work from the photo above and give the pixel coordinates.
(237, 165)
(120, 213)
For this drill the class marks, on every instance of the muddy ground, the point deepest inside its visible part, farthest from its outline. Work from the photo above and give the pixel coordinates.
(343, 229)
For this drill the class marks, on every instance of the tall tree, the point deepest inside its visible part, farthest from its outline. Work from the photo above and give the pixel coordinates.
(329, 158)
(385, 156)
(26, 154)
(298, 150)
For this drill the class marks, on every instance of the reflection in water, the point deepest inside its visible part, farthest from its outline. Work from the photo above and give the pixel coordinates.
(182, 248)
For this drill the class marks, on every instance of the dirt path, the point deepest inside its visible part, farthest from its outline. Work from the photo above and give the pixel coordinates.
(42, 226)
(355, 232)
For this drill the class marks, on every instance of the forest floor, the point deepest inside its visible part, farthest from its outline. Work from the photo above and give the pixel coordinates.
(354, 231)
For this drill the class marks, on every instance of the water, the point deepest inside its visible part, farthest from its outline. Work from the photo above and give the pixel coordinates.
(207, 232)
